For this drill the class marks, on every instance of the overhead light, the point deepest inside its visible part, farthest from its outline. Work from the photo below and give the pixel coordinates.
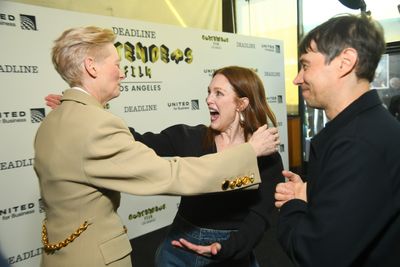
(356, 4)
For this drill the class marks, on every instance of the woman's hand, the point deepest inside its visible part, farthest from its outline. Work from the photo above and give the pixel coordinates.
(207, 251)
(265, 141)
(53, 100)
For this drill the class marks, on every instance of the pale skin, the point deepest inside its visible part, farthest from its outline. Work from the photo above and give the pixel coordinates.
(224, 107)
(101, 76)
(331, 87)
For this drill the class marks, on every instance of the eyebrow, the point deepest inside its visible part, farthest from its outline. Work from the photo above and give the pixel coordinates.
(303, 60)
(216, 87)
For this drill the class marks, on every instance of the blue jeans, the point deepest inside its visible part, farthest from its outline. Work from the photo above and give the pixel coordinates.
(169, 256)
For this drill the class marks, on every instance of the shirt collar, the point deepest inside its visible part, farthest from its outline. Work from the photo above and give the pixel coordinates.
(80, 89)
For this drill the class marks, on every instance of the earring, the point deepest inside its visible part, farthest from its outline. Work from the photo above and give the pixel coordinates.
(241, 117)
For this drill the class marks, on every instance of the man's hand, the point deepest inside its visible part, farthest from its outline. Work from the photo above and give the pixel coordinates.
(265, 141)
(207, 251)
(293, 188)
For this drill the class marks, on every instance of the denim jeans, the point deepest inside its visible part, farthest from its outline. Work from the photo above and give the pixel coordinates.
(169, 256)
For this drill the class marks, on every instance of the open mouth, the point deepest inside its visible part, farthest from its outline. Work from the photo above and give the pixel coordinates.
(213, 114)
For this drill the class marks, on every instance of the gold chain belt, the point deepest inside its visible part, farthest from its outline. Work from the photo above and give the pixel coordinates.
(50, 248)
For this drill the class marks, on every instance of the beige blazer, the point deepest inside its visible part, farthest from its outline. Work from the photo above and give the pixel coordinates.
(85, 156)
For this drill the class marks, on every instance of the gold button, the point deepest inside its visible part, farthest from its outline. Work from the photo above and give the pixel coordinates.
(232, 184)
(225, 185)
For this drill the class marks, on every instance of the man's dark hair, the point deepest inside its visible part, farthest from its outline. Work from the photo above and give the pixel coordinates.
(360, 32)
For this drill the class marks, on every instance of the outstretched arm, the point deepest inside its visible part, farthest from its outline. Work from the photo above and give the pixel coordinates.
(177, 140)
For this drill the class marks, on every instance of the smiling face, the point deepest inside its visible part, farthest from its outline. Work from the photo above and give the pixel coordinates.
(222, 103)
(317, 79)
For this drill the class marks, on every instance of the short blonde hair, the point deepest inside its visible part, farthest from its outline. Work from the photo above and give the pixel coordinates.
(71, 48)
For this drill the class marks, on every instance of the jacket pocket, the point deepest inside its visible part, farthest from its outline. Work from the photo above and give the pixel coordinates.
(116, 248)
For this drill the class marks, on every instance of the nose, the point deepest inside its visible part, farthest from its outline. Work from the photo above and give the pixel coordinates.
(121, 74)
(208, 99)
(298, 80)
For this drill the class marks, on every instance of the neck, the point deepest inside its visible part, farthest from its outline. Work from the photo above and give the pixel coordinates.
(345, 96)
(230, 137)
(90, 88)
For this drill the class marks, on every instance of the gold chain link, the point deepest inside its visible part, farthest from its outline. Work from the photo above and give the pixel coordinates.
(49, 248)
(241, 181)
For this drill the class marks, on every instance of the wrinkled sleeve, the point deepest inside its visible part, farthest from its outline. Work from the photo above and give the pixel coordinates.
(114, 160)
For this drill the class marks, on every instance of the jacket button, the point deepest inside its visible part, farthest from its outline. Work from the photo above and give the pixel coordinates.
(225, 185)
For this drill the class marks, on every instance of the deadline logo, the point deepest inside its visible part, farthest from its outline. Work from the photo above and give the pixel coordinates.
(28, 22)
(245, 45)
(37, 115)
(25, 255)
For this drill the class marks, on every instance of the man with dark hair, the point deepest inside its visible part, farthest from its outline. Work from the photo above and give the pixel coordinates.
(348, 211)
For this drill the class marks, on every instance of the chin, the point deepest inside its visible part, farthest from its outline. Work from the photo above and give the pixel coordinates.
(213, 126)
(117, 94)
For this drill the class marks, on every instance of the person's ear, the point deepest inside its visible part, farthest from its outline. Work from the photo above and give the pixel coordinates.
(348, 61)
(90, 66)
(243, 103)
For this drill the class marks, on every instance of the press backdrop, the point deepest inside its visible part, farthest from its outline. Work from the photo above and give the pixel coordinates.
(168, 70)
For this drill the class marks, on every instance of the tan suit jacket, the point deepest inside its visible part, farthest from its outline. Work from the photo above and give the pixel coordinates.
(85, 156)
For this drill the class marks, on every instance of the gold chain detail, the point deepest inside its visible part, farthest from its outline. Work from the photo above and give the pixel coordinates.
(49, 248)
(241, 181)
